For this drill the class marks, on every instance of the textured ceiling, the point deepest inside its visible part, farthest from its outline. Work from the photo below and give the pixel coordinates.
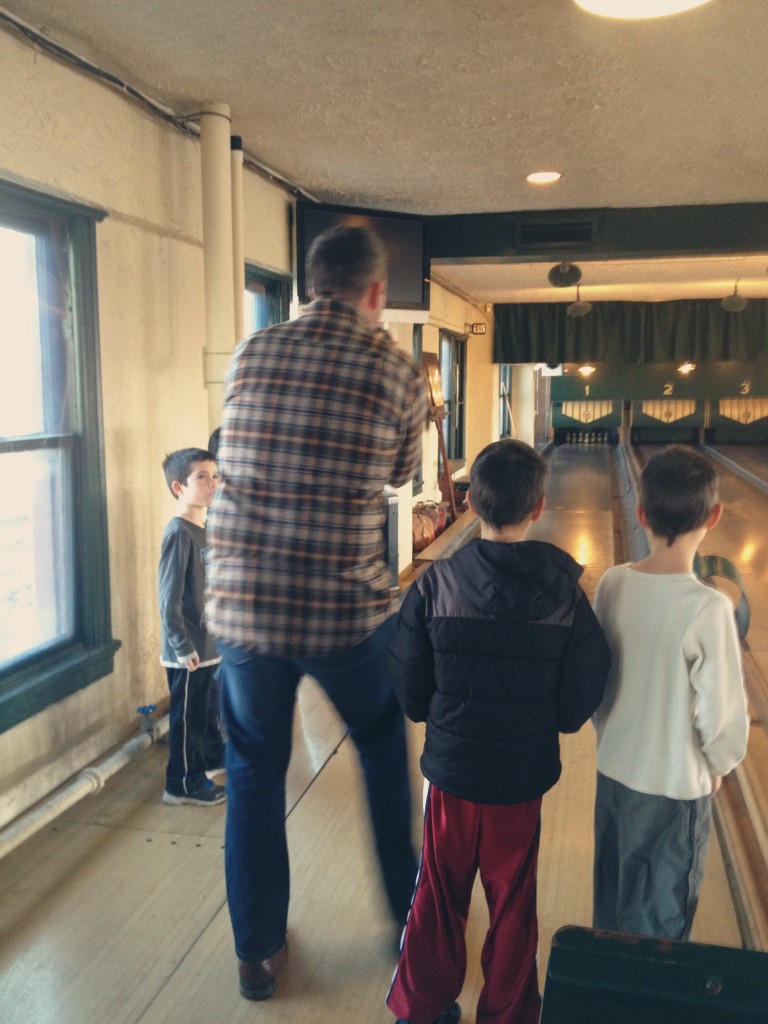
(443, 106)
(647, 280)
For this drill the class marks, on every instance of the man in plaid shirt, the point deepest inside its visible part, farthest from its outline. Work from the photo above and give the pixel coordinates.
(320, 414)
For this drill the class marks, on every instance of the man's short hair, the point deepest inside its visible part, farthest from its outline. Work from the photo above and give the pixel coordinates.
(344, 262)
(678, 491)
(177, 466)
(506, 483)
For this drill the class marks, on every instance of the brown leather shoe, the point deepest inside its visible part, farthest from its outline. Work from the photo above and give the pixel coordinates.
(258, 980)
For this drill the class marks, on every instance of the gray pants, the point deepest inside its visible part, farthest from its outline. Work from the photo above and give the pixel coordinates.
(649, 860)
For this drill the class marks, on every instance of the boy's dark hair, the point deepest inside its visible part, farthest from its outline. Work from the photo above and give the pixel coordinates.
(678, 491)
(213, 442)
(506, 483)
(178, 465)
(344, 262)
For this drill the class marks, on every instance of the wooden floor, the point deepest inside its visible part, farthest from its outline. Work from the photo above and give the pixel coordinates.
(116, 913)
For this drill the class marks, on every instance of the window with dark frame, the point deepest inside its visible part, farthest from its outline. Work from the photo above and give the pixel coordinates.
(266, 300)
(55, 624)
(453, 370)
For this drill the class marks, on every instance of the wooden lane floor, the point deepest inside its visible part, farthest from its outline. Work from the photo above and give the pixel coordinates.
(750, 457)
(116, 913)
(132, 926)
(101, 908)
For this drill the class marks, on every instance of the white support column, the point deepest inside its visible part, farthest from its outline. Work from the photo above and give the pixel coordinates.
(217, 252)
(523, 401)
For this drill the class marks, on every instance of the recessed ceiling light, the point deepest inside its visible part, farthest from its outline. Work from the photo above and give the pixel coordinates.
(543, 177)
(638, 8)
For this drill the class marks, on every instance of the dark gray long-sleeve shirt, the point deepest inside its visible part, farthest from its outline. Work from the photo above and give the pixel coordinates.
(181, 593)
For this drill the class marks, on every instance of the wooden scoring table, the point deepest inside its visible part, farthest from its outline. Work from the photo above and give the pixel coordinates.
(466, 526)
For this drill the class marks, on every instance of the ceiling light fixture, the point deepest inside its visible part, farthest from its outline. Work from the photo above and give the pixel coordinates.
(686, 367)
(543, 177)
(564, 275)
(587, 369)
(578, 308)
(638, 9)
(734, 303)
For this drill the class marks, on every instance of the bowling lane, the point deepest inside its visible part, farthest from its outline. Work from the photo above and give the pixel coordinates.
(741, 537)
(751, 457)
(578, 514)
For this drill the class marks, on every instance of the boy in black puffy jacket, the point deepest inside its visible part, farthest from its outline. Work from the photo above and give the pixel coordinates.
(498, 651)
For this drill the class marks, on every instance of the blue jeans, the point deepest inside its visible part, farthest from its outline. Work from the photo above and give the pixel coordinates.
(258, 697)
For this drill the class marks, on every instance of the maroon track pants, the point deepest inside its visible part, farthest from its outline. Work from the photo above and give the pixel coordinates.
(460, 838)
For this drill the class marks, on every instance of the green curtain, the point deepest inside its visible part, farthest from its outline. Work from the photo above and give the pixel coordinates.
(630, 332)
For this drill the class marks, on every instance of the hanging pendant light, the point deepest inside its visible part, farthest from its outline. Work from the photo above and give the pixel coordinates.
(734, 303)
(564, 275)
(578, 308)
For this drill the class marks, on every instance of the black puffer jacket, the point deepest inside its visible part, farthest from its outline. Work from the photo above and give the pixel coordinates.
(498, 650)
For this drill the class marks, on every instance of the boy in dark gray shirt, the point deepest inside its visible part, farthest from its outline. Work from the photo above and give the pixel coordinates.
(190, 657)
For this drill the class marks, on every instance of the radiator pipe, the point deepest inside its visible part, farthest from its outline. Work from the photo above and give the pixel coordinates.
(216, 170)
(238, 244)
(90, 780)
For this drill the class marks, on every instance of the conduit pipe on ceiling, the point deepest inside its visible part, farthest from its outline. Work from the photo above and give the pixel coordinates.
(238, 245)
(90, 780)
(216, 167)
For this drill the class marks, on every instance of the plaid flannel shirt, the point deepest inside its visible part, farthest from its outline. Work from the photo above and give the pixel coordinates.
(320, 413)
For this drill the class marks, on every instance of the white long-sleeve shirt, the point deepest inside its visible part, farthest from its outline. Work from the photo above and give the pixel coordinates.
(675, 710)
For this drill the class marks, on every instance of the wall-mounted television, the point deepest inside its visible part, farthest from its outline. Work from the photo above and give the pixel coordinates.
(404, 235)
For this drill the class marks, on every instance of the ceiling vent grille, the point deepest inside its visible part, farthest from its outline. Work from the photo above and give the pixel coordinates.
(541, 235)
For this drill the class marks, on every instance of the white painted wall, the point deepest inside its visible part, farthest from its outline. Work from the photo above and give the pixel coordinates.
(66, 134)
(267, 237)
(523, 401)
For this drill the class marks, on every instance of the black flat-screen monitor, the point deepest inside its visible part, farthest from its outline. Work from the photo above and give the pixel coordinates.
(404, 235)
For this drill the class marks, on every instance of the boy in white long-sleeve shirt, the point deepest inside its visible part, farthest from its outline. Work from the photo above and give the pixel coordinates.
(673, 720)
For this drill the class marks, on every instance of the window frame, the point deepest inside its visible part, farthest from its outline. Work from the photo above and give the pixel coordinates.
(278, 287)
(33, 681)
(455, 394)
(505, 420)
(417, 350)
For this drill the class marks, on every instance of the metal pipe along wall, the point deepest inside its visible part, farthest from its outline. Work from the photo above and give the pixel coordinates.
(238, 245)
(90, 780)
(216, 166)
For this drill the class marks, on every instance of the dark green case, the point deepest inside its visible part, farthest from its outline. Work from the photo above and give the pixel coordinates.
(603, 978)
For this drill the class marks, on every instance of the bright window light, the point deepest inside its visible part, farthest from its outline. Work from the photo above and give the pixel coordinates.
(637, 9)
(37, 548)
